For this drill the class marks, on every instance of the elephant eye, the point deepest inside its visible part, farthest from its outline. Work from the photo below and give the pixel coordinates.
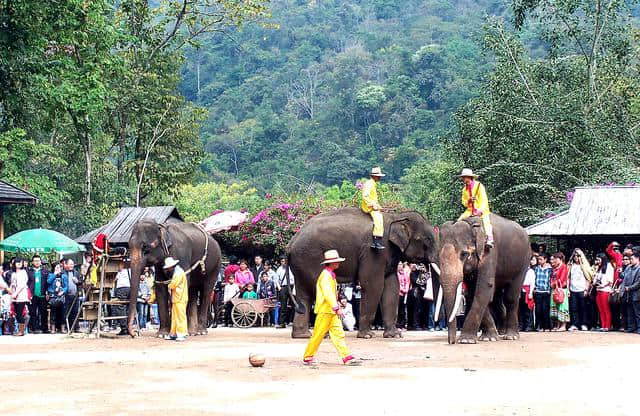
(463, 255)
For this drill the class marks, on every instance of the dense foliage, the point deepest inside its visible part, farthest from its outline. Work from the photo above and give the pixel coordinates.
(210, 104)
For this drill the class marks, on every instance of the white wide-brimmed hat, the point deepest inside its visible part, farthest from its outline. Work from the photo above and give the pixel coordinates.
(466, 172)
(332, 256)
(377, 171)
(170, 262)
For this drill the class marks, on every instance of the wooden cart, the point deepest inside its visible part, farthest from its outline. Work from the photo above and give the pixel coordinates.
(245, 312)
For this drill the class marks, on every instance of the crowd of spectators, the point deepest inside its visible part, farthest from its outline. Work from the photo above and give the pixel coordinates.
(575, 295)
(558, 294)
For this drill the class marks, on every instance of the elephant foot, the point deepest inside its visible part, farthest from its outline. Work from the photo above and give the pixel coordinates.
(301, 333)
(512, 336)
(366, 334)
(488, 337)
(162, 332)
(202, 331)
(393, 333)
(467, 339)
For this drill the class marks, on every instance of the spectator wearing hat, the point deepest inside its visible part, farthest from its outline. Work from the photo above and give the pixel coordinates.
(328, 313)
(580, 277)
(371, 206)
(179, 299)
(476, 203)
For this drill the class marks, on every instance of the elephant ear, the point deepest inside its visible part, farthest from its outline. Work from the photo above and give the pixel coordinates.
(480, 238)
(165, 236)
(400, 234)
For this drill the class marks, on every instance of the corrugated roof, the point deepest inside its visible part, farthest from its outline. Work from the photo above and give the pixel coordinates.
(595, 210)
(118, 230)
(10, 194)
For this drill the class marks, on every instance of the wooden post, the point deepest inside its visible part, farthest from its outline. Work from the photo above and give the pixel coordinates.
(1, 231)
(103, 262)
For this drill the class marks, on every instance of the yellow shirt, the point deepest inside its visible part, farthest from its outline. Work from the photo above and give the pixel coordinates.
(370, 197)
(481, 203)
(178, 286)
(326, 293)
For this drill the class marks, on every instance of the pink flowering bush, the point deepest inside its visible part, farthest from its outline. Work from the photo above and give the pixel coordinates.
(269, 230)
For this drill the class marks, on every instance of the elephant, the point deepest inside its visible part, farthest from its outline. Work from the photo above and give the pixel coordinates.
(150, 244)
(493, 275)
(407, 236)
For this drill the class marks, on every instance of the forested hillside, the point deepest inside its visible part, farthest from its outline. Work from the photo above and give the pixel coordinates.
(223, 104)
(336, 87)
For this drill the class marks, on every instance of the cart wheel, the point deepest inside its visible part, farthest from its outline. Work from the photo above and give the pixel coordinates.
(244, 315)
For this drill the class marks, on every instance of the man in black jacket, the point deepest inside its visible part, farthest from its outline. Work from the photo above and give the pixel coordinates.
(633, 293)
(37, 283)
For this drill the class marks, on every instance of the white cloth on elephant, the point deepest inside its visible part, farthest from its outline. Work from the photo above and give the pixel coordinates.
(348, 321)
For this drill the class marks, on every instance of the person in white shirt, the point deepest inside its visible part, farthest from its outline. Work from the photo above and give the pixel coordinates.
(231, 289)
(348, 320)
(20, 292)
(284, 286)
(122, 291)
(580, 276)
(526, 297)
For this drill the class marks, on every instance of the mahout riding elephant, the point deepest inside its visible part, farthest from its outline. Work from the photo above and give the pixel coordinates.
(492, 274)
(150, 244)
(407, 236)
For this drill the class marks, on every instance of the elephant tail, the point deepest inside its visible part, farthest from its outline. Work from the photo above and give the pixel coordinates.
(298, 306)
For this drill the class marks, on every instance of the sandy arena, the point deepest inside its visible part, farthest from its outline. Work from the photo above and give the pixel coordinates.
(580, 373)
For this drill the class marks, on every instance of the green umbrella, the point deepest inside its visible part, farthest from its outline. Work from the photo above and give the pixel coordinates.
(40, 241)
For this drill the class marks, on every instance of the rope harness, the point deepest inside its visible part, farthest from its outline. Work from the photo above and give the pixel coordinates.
(200, 262)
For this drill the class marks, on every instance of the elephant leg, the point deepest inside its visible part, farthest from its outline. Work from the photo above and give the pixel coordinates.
(162, 299)
(372, 287)
(390, 302)
(483, 295)
(300, 327)
(511, 301)
(192, 311)
(205, 303)
(488, 331)
(499, 311)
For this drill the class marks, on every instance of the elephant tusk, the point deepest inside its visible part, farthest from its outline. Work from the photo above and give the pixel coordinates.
(456, 305)
(435, 268)
(438, 305)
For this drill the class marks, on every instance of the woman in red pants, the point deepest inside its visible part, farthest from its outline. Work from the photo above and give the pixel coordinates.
(603, 281)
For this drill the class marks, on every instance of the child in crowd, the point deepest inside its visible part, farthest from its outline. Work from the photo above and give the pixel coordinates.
(7, 321)
(249, 293)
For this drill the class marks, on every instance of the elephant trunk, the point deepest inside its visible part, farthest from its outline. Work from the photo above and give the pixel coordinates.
(451, 282)
(137, 265)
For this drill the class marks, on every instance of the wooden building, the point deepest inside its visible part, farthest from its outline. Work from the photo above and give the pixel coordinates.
(12, 195)
(119, 229)
(597, 216)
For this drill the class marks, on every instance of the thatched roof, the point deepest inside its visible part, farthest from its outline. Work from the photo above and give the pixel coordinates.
(10, 194)
(118, 230)
(594, 211)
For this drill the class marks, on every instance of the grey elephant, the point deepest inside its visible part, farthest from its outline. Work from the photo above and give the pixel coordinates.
(407, 236)
(150, 244)
(493, 273)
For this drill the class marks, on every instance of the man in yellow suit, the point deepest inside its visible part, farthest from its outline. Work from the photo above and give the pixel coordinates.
(328, 313)
(179, 297)
(474, 199)
(371, 206)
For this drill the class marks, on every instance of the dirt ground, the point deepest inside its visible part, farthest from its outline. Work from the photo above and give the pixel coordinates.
(581, 373)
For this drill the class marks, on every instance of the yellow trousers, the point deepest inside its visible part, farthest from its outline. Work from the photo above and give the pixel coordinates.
(178, 319)
(486, 222)
(327, 322)
(378, 228)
